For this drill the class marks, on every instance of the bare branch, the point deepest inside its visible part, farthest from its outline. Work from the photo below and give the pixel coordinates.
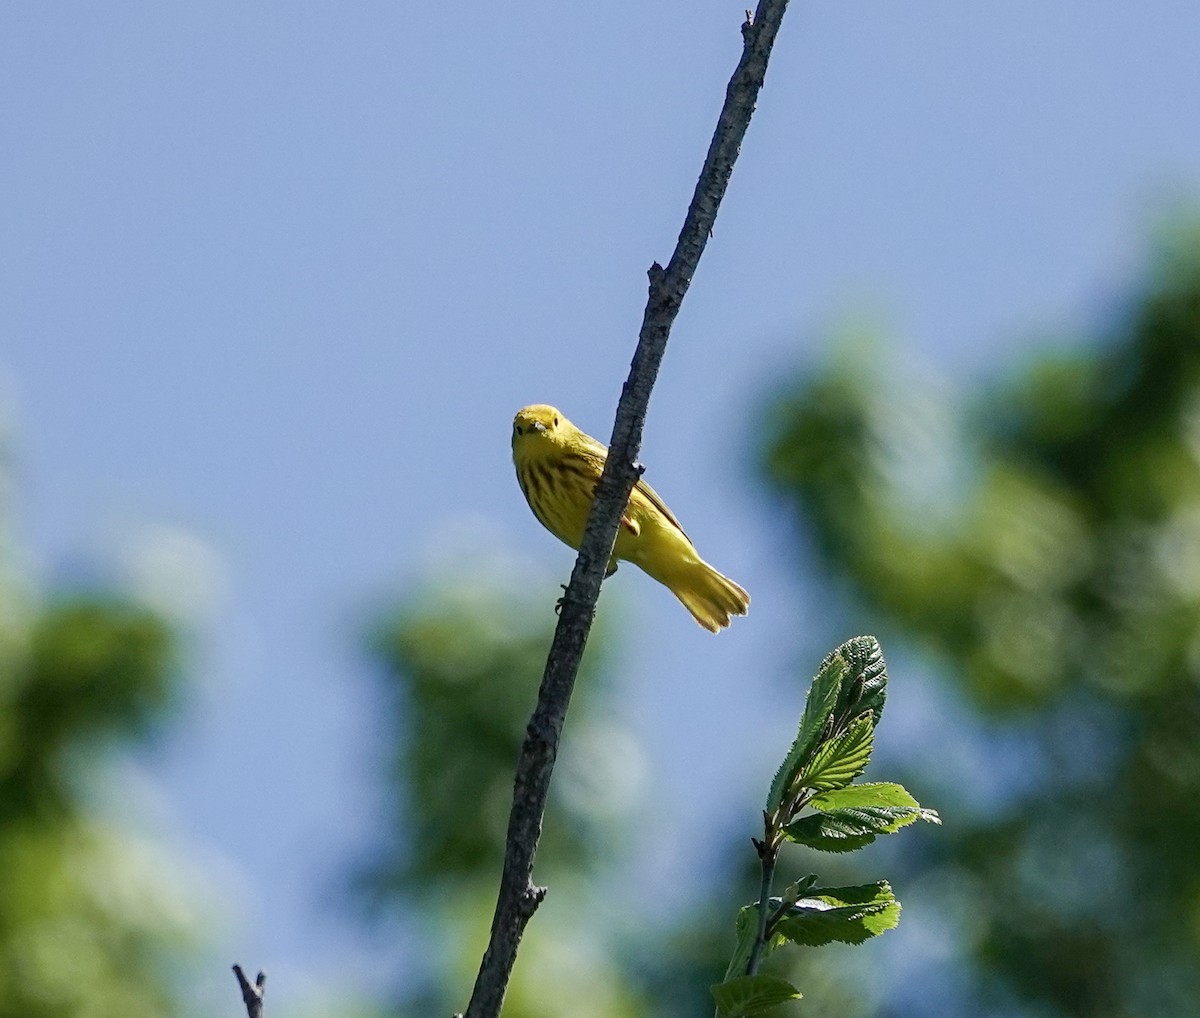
(518, 897)
(252, 995)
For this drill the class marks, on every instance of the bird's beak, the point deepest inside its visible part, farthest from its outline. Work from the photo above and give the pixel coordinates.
(538, 426)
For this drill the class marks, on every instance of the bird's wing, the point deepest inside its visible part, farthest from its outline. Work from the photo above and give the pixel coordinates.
(601, 453)
(655, 500)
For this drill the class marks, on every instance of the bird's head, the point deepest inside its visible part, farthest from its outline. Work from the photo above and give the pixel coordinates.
(537, 425)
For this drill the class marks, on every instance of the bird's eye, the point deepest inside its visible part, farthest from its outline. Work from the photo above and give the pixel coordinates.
(556, 422)
(517, 428)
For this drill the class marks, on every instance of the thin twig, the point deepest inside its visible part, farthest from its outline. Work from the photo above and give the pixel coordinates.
(518, 897)
(764, 906)
(768, 855)
(252, 995)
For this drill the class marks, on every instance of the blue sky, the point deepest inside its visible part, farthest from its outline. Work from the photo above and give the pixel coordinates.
(275, 277)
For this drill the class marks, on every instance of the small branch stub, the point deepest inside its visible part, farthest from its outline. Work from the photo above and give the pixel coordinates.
(534, 896)
(252, 993)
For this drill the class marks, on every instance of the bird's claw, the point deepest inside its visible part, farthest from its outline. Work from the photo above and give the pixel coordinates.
(559, 603)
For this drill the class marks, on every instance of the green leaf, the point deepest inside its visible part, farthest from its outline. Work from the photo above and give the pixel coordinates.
(839, 831)
(839, 761)
(885, 794)
(750, 995)
(818, 709)
(851, 817)
(869, 793)
(865, 687)
(850, 682)
(747, 930)
(847, 915)
(845, 830)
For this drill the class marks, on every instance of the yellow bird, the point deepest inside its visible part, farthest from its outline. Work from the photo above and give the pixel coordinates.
(558, 468)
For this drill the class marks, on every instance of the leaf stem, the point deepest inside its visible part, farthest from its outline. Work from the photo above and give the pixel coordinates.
(768, 856)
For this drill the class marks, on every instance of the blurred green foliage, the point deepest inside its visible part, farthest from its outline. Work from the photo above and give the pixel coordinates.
(461, 668)
(461, 664)
(1045, 550)
(90, 923)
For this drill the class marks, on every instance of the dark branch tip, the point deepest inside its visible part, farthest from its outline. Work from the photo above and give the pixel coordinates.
(252, 996)
(241, 977)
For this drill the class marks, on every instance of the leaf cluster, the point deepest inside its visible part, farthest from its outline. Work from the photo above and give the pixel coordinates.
(813, 802)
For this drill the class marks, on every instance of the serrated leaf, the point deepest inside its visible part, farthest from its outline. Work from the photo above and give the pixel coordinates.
(747, 930)
(750, 995)
(851, 817)
(840, 760)
(819, 706)
(851, 681)
(868, 793)
(844, 830)
(865, 687)
(839, 831)
(875, 793)
(847, 915)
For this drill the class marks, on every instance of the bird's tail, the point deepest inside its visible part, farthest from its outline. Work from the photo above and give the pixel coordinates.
(710, 597)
